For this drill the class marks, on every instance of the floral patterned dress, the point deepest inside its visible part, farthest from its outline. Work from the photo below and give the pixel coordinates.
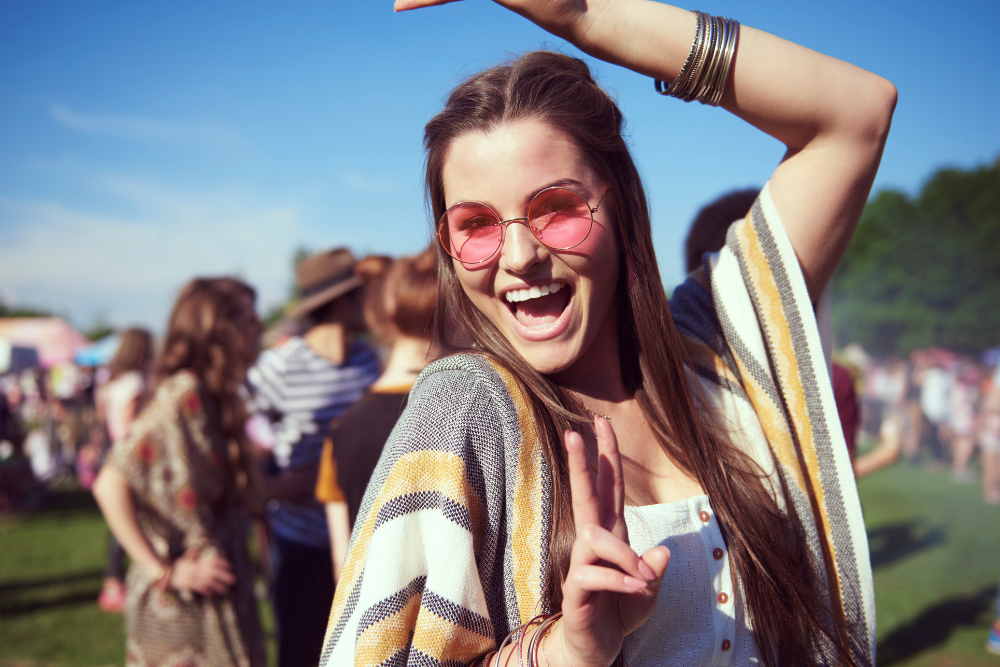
(175, 462)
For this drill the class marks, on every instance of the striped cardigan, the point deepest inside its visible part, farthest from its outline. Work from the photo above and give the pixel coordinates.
(450, 553)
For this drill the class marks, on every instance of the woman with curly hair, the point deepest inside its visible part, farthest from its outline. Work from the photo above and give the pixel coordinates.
(174, 491)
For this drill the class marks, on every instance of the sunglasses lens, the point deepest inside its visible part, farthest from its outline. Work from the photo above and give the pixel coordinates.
(560, 218)
(470, 232)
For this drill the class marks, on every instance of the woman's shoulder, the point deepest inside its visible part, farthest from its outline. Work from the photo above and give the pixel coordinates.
(125, 387)
(460, 403)
(176, 393)
(464, 379)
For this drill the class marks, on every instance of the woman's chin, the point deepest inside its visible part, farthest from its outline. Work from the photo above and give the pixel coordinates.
(548, 359)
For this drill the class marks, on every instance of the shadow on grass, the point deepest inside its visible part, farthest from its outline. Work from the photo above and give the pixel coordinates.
(8, 586)
(11, 593)
(70, 599)
(888, 544)
(934, 626)
(77, 500)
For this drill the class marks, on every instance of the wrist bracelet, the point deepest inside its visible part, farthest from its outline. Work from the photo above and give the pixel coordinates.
(705, 72)
(539, 638)
(161, 580)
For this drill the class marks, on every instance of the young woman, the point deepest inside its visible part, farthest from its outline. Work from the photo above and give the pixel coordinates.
(120, 399)
(724, 526)
(174, 490)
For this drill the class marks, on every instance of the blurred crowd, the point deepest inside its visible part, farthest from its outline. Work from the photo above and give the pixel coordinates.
(202, 447)
(942, 408)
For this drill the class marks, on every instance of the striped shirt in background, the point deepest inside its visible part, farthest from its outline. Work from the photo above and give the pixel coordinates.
(305, 392)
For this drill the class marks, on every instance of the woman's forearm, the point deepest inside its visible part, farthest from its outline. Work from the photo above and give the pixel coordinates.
(833, 117)
(115, 499)
(339, 523)
(793, 93)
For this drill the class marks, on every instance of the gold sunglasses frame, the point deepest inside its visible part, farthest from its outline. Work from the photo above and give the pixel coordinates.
(503, 223)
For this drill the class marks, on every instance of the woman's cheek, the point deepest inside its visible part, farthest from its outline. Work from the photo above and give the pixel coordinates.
(475, 281)
(598, 252)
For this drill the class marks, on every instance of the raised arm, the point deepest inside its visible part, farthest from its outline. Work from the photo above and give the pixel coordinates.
(832, 116)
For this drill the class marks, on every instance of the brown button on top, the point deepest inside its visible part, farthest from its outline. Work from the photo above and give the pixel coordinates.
(723, 598)
(703, 515)
(717, 553)
(725, 644)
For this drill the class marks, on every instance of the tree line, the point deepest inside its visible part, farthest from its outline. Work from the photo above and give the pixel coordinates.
(925, 270)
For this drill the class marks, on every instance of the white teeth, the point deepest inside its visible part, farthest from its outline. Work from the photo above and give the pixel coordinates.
(515, 295)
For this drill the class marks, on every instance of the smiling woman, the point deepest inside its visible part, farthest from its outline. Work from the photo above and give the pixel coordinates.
(725, 460)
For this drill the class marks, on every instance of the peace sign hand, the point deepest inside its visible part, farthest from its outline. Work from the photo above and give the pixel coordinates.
(609, 590)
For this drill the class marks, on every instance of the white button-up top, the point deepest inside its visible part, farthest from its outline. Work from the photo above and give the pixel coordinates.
(699, 619)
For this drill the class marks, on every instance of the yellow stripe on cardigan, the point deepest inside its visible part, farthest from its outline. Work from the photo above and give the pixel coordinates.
(381, 640)
(415, 472)
(771, 417)
(527, 520)
(446, 642)
(787, 363)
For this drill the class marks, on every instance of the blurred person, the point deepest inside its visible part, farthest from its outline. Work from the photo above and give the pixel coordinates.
(304, 384)
(120, 400)
(963, 401)
(989, 437)
(399, 306)
(848, 407)
(935, 386)
(916, 422)
(886, 450)
(175, 491)
(708, 230)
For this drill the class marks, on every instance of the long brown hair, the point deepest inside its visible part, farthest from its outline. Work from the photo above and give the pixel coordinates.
(206, 335)
(135, 351)
(784, 601)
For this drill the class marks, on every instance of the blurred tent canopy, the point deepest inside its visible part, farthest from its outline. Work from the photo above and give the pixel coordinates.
(100, 353)
(55, 339)
(16, 358)
(925, 271)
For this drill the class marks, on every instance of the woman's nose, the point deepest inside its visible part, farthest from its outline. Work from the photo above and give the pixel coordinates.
(521, 250)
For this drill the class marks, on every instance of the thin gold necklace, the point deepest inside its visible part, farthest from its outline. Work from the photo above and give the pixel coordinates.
(596, 414)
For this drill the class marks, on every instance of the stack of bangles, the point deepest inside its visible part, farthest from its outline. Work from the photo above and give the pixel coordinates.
(536, 644)
(706, 70)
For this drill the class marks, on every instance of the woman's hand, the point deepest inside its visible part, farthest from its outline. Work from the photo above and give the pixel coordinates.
(206, 573)
(609, 590)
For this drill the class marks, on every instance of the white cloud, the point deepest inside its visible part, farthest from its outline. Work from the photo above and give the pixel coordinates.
(128, 267)
(151, 130)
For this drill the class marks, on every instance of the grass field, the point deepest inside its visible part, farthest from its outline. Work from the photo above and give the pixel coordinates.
(935, 551)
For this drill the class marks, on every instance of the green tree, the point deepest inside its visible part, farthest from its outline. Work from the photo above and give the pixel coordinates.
(23, 311)
(925, 271)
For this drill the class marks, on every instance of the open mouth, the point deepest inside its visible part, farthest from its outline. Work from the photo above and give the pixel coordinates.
(540, 306)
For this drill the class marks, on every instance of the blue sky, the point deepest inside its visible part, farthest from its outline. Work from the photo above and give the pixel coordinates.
(144, 143)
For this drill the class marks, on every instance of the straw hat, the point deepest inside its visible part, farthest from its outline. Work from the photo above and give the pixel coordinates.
(323, 277)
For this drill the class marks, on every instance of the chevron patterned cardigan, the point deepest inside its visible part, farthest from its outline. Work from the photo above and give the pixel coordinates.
(449, 552)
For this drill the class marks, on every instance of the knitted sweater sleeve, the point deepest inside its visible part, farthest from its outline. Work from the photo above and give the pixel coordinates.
(411, 591)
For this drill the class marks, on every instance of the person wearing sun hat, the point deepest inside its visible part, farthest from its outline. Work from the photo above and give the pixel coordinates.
(303, 385)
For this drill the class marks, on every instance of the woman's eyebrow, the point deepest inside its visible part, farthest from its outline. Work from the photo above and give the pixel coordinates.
(570, 183)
